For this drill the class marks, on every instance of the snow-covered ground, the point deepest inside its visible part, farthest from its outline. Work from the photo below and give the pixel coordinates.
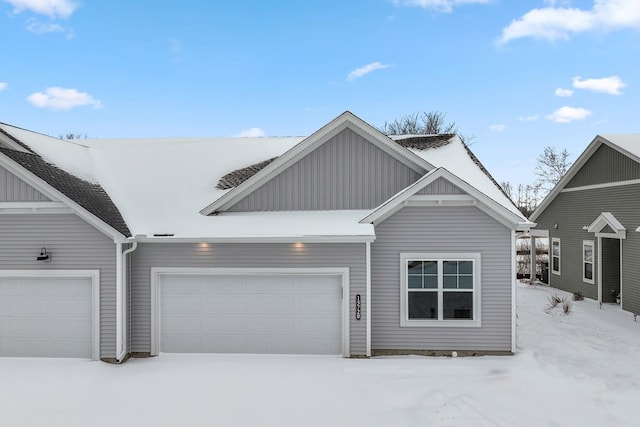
(581, 369)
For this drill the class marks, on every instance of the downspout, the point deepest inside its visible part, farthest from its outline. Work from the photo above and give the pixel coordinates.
(368, 298)
(514, 296)
(122, 299)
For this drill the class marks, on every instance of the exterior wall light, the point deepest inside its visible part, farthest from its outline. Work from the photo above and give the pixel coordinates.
(44, 256)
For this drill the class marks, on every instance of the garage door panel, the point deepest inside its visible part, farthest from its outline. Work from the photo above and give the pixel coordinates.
(292, 314)
(46, 316)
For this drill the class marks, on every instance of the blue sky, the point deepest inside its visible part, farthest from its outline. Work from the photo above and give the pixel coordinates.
(518, 75)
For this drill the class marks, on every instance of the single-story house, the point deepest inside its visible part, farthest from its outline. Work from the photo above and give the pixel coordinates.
(592, 219)
(344, 242)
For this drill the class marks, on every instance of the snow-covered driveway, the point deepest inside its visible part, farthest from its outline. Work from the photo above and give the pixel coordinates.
(577, 370)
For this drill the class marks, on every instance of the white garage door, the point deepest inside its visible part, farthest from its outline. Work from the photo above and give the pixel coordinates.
(46, 317)
(251, 314)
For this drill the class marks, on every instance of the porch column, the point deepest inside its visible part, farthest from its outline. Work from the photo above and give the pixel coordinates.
(532, 251)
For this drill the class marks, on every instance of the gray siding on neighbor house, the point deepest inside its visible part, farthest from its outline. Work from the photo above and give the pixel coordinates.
(572, 211)
(13, 189)
(441, 186)
(605, 165)
(73, 245)
(254, 255)
(346, 172)
(441, 229)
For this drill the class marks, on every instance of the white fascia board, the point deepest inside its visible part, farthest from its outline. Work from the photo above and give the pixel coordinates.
(575, 167)
(259, 239)
(395, 203)
(34, 208)
(52, 193)
(484, 202)
(324, 134)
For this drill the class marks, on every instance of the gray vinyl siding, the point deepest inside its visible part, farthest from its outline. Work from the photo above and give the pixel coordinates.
(441, 229)
(13, 189)
(346, 172)
(572, 211)
(441, 186)
(281, 255)
(605, 165)
(73, 245)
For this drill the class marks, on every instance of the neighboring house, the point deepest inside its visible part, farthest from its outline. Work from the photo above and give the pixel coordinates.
(592, 218)
(345, 242)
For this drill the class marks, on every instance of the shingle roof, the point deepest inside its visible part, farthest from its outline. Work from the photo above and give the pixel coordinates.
(425, 142)
(90, 196)
(14, 139)
(237, 177)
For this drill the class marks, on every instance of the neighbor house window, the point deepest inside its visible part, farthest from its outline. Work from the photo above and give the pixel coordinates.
(555, 255)
(587, 261)
(440, 289)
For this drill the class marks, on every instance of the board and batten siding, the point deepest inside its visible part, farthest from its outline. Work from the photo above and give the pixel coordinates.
(605, 165)
(441, 186)
(253, 255)
(441, 229)
(346, 172)
(13, 189)
(572, 211)
(73, 245)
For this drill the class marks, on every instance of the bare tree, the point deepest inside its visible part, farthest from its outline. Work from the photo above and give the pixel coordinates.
(425, 123)
(551, 167)
(70, 136)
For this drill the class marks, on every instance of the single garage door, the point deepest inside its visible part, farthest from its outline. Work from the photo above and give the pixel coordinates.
(283, 314)
(46, 317)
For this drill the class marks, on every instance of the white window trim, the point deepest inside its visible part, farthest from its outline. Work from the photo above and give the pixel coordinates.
(559, 271)
(477, 296)
(593, 259)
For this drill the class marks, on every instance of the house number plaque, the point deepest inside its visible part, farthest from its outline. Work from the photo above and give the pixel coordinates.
(358, 308)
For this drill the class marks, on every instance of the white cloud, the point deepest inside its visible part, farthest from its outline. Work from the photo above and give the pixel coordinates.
(51, 8)
(559, 23)
(439, 5)
(369, 68)
(532, 118)
(563, 92)
(497, 128)
(251, 133)
(610, 85)
(58, 98)
(3, 86)
(568, 114)
(38, 27)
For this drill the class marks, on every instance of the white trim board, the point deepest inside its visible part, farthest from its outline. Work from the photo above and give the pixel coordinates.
(94, 275)
(474, 197)
(158, 272)
(597, 186)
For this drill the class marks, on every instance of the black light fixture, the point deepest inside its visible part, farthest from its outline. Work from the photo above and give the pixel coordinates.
(44, 256)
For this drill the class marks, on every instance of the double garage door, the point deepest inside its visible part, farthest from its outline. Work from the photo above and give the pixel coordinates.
(46, 317)
(271, 314)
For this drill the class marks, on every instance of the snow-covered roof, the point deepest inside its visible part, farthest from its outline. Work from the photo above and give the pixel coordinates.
(629, 142)
(457, 159)
(160, 185)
